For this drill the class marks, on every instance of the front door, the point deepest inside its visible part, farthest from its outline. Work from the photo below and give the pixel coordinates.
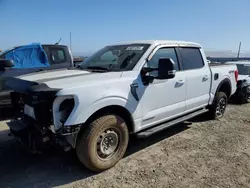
(163, 99)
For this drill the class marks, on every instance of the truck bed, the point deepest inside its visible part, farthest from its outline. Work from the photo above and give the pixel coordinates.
(216, 64)
(221, 72)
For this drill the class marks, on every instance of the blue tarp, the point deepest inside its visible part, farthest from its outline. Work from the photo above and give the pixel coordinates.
(28, 56)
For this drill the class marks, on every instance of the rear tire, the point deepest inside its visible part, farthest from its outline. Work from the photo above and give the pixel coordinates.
(103, 143)
(218, 107)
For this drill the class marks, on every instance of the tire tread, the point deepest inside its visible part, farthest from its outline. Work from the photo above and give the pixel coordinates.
(85, 138)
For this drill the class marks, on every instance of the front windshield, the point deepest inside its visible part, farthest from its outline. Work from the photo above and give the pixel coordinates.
(115, 58)
(243, 69)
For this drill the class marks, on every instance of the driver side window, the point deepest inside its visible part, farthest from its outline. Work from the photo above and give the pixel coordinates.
(162, 53)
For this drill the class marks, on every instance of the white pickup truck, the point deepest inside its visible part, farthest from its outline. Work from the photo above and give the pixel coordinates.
(137, 88)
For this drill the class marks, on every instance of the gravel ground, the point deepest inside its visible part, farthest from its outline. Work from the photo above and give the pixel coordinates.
(199, 153)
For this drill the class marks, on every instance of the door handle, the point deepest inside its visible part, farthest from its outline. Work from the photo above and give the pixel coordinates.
(180, 81)
(205, 78)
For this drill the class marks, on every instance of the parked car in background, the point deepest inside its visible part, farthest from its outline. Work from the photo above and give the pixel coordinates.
(30, 59)
(242, 94)
(78, 60)
(139, 87)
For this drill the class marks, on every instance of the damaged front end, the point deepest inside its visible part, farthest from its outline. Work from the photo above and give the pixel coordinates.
(40, 116)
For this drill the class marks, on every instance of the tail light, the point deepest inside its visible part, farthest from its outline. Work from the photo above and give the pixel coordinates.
(236, 74)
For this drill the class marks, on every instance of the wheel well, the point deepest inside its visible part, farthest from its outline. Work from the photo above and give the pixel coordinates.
(226, 88)
(117, 110)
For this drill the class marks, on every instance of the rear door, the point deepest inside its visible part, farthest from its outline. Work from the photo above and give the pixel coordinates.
(198, 77)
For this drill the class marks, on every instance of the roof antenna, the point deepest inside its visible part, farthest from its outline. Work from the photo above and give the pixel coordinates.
(58, 41)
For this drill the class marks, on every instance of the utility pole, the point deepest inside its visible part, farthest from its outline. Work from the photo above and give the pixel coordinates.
(239, 50)
(70, 41)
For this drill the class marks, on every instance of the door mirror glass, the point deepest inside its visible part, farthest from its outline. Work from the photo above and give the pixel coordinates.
(4, 63)
(166, 68)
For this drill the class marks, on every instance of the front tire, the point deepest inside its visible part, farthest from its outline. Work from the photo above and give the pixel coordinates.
(103, 143)
(218, 108)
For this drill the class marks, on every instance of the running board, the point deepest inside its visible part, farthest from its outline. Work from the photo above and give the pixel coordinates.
(150, 131)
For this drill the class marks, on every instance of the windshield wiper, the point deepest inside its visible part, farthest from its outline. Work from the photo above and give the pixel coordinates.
(97, 68)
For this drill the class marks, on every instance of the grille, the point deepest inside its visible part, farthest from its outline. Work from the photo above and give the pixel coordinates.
(42, 107)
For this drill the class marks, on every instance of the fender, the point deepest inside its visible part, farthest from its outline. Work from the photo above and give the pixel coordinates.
(226, 80)
(97, 105)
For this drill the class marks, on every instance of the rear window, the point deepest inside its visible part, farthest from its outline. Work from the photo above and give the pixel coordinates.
(57, 55)
(191, 58)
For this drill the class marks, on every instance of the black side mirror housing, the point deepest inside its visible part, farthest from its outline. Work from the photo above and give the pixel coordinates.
(5, 63)
(166, 68)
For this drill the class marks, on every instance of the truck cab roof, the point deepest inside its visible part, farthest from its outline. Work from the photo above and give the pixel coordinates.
(162, 42)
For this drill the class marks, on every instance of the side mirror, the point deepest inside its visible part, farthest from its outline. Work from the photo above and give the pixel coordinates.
(5, 63)
(166, 68)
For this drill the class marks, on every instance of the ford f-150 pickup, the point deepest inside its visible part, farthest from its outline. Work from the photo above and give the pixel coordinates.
(137, 88)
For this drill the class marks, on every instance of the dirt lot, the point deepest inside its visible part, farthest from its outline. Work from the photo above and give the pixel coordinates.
(198, 154)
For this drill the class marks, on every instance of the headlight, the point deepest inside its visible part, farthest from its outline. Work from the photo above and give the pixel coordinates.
(66, 108)
(67, 104)
(62, 107)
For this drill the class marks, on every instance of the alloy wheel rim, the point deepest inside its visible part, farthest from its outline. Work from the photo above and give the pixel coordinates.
(220, 109)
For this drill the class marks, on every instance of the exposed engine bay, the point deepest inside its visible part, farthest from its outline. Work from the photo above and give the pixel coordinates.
(40, 116)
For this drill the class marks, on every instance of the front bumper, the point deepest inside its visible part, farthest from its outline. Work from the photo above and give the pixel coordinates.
(27, 131)
(19, 126)
(38, 137)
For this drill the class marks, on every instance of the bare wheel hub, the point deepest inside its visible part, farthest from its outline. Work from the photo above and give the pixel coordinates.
(221, 107)
(107, 143)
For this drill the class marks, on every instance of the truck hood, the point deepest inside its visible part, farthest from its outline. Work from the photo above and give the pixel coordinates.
(59, 79)
(45, 76)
